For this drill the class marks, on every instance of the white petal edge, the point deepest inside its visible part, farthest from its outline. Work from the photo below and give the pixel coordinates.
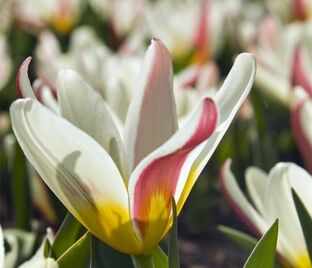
(239, 202)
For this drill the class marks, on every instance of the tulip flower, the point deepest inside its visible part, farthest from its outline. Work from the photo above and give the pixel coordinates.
(203, 36)
(62, 15)
(123, 16)
(301, 71)
(193, 83)
(291, 9)
(271, 198)
(95, 63)
(86, 54)
(279, 51)
(301, 119)
(120, 185)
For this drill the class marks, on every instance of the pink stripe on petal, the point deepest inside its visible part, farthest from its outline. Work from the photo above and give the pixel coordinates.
(304, 146)
(299, 73)
(160, 177)
(23, 86)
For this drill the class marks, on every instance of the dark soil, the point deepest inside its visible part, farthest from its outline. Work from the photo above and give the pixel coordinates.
(210, 251)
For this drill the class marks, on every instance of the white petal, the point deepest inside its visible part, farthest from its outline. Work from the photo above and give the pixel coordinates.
(76, 168)
(256, 182)
(151, 118)
(229, 98)
(38, 260)
(236, 86)
(85, 108)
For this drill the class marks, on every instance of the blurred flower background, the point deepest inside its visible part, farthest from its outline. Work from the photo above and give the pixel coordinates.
(105, 42)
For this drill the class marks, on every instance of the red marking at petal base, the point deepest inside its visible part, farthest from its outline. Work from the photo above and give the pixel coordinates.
(304, 146)
(299, 74)
(161, 176)
(24, 65)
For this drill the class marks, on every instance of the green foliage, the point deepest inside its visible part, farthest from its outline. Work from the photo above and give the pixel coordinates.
(104, 256)
(264, 253)
(243, 240)
(20, 191)
(69, 232)
(78, 254)
(173, 248)
(159, 258)
(305, 220)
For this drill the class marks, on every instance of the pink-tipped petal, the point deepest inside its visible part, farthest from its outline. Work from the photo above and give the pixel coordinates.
(239, 202)
(298, 127)
(300, 76)
(163, 174)
(151, 118)
(23, 86)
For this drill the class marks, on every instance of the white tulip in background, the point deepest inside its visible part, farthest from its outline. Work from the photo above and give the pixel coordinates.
(271, 198)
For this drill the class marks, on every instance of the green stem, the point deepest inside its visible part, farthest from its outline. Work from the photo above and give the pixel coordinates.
(143, 261)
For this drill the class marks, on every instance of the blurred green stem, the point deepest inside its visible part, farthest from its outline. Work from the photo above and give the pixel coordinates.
(20, 191)
(143, 261)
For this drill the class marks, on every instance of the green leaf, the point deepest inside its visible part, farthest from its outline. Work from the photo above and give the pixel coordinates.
(20, 191)
(263, 254)
(243, 240)
(155, 259)
(69, 232)
(173, 248)
(305, 221)
(46, 248)
(160, 259)
(104, 256)
(143, 261)
(78, 255)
